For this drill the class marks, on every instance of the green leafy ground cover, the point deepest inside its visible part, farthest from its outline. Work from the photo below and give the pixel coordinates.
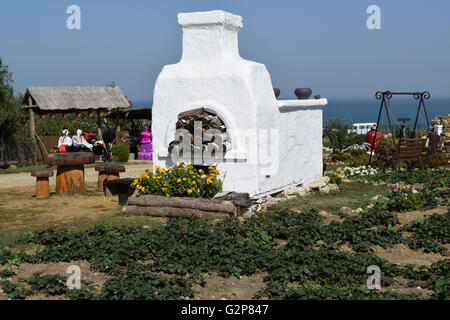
(164, 262)
(301, 256)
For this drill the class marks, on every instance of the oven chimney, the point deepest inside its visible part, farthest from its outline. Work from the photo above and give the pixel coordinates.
(209, 36)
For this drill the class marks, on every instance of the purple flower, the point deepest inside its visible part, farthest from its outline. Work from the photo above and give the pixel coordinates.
(408, 186)
(388, 184)
(395, 190)
(397, 184)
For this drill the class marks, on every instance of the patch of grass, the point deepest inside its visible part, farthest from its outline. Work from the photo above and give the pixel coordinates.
(25, 169)
(10, 239)
(43, 166)
(353, 195)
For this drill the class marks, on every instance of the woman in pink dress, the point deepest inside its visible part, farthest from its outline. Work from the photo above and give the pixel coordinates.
(145, 150)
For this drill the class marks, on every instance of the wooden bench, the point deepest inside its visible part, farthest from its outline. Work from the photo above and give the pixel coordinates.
(408, 150)
(42, 183)
(120, 187)
(108, 171)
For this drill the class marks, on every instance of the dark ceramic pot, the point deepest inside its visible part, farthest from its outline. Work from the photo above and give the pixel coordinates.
(303, 93)
(277, 92)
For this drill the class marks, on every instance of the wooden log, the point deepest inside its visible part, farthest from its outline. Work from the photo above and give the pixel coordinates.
(42, 187)
(173, 212)
(191, 113)
(70, 158)
(201, 204)
(70, 179)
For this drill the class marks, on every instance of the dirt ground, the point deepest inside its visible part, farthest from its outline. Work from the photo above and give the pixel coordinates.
(25, 270)
(218, 288)
(21, 211)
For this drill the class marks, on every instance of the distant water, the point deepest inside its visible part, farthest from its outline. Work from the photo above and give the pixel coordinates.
(356, 110)
(366, 110)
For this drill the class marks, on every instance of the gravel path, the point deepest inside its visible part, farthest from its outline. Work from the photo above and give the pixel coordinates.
(26, 180)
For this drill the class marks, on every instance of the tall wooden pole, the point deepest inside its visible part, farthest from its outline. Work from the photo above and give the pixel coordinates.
(99, 124)
(32, 126)
(32, 132)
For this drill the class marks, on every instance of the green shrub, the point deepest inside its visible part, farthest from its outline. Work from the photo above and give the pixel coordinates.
(120, 153)
(336, 131)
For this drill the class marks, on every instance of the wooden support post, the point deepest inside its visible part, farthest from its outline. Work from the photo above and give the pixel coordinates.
(32, 133)
(99, 124)
(42, 187)
(70, 179)
(102, 177)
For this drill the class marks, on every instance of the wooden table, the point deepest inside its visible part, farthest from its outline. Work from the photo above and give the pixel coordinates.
(70, 173)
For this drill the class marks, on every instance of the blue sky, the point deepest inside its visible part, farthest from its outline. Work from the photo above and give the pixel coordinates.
(322, 44)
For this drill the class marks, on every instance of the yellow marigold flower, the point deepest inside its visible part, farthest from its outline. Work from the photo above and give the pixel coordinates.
(178, 180)
(167, 195)
(200, 171)
(221, 182)
(184, 179)
(189, 191)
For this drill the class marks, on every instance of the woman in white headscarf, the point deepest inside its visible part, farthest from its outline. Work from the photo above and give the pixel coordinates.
(64, 140)
(78, 140)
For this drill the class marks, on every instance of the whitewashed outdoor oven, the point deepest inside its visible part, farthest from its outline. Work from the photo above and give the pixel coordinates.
(273, 144)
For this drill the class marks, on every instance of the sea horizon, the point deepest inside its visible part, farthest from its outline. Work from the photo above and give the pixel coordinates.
(363, 109)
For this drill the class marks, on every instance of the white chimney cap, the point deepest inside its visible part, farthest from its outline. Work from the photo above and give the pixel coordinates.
(215, 17)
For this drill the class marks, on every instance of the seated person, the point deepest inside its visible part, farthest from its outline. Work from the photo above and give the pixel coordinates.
(64, 140)
(78, 140)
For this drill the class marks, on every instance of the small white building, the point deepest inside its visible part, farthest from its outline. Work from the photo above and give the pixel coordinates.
(361, 128)
(275, 144)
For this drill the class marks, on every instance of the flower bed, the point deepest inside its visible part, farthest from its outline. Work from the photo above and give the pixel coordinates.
(357, 173)
(182, 180)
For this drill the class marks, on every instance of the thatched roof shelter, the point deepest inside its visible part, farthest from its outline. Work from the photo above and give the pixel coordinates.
(42, 100)
(72, 99)
(137, 113)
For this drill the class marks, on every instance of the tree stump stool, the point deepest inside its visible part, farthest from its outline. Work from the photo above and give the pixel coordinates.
(107, 172)
(42, 183)
(120, 187)
(70, 173)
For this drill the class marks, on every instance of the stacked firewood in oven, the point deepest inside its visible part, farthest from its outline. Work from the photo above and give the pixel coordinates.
(204, 131)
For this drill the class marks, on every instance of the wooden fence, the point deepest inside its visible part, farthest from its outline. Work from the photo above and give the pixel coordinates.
(49, 143)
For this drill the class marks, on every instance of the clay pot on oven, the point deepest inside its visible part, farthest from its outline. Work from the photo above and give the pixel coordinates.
(303, 93)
